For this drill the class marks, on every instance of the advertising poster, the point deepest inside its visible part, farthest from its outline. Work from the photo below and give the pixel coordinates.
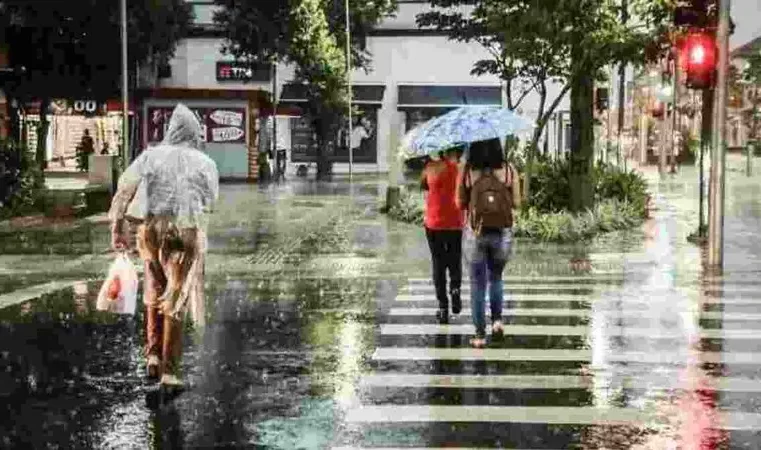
(219, 125)
(302, 142)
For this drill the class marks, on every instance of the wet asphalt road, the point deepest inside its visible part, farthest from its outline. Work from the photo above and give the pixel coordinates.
(320, 339)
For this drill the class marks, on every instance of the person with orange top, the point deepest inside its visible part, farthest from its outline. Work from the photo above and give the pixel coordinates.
(444, 222)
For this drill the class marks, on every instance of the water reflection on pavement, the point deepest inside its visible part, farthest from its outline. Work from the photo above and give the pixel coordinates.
(337, 349)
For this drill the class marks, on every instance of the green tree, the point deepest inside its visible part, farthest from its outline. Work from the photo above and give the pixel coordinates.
(537, 43)
(71, 49)
(310, 34)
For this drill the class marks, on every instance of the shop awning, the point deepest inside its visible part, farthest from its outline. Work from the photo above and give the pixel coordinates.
(361, 93)
(432, 96)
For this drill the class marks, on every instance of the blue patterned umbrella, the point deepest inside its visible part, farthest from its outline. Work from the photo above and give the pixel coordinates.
(463, 126)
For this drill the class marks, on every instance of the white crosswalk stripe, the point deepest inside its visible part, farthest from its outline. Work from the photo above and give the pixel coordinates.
(581, 313)
(606, 317)
(666, 381)
(533, 415)
(644, 299)
(563, 330)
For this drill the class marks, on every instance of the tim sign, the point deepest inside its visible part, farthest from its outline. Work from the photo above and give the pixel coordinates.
(232, 71)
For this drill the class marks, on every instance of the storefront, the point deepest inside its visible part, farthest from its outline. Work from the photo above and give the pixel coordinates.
(367, 100)
(230, 122)
(69, 121)
(421, 103)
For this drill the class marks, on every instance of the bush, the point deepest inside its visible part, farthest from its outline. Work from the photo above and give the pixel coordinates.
(22, 185)
(551, 185)
(620, 198)
(608, 215)
(410, 208)
(615, 184)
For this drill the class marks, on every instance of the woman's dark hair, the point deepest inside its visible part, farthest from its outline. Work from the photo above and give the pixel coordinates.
(486, 155)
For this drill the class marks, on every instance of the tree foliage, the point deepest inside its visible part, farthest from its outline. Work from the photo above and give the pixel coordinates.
(531, 41)
(72, 49)
(538, 43)
(310, 35)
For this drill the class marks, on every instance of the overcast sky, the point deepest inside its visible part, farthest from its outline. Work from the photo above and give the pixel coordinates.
(747, 17)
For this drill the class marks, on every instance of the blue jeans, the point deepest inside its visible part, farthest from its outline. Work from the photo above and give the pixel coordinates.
(490, 253)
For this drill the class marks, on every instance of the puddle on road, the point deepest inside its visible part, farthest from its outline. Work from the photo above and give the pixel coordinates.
(269, 346)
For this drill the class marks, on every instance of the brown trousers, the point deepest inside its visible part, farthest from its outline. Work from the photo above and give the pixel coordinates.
(173, 272)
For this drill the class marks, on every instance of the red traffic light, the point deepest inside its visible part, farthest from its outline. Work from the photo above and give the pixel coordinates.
(699, 56)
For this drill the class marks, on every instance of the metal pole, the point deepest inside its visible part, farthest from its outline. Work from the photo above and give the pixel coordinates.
(274, 122)
(622, 85)
(705, 146)
(663, 128)
(125, 88)
(716, 220)
(348, 78)
(664, 139)
(675, 114)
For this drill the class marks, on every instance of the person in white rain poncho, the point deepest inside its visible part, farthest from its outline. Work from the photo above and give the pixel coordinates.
(169, 190)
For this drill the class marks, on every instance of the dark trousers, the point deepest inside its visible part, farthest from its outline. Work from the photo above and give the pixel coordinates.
(446, 254)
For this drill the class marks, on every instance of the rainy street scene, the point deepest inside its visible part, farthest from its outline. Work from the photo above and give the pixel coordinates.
(397, 224)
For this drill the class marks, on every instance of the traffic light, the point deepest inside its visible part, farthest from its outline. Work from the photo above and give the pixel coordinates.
(700, 60)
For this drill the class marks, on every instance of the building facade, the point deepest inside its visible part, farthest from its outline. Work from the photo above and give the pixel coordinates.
(415, 75)
(739, 104)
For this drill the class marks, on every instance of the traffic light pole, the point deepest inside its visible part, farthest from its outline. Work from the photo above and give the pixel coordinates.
(674, 116)
(705, 147)
(718, 156)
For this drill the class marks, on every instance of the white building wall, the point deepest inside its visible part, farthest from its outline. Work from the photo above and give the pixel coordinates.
(396, 60)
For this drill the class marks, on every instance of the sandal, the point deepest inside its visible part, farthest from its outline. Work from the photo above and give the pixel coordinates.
(478, 342)
(497, 329)
(153, 367)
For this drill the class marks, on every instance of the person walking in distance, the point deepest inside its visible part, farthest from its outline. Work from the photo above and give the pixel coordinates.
(443, 228)
(486, 192)
(175, 186)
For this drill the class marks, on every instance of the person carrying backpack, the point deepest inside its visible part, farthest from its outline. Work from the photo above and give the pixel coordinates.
(486, 192)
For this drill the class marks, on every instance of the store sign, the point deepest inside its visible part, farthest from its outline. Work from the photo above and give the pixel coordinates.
(85, 107)
(232, 71)
(219, 125)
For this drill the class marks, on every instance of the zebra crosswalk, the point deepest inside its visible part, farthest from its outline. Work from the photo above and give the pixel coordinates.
(574, 360)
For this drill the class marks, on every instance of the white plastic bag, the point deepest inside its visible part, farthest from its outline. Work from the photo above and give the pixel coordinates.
(119, 292)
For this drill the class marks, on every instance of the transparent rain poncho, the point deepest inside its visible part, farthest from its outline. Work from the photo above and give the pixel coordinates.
(179, 180)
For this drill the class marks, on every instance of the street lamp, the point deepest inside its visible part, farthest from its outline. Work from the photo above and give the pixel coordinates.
(348, 82)
(125, 107)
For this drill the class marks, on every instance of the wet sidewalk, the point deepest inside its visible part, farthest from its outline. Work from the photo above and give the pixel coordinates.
(322, 336)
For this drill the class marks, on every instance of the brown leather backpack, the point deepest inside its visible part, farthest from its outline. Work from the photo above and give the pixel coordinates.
(491, 203)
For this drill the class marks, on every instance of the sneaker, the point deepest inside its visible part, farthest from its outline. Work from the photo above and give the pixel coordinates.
(442, 316)
(497, 329)
(152, 367)
(456, 301)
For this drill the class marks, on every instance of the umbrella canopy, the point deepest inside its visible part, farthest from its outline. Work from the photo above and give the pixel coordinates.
(463, 126)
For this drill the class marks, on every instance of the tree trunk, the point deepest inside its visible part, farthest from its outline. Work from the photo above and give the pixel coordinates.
(323, 139)
(42, 131)
(14, 126)
(582, 141)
